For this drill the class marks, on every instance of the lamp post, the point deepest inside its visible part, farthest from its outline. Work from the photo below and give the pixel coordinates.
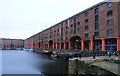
(94, 45)
(68, 23)
(93, 41)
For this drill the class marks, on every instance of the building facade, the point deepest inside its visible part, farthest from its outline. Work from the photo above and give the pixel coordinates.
(11, 44)
(96, 28)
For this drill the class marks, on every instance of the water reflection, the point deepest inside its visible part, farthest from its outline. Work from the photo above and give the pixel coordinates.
(24, 62)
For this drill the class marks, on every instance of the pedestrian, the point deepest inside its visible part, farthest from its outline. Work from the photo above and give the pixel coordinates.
(79, 55)
(109, 54)
(93, 56)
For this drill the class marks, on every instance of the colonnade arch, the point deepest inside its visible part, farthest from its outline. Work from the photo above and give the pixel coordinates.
(51, 44)
(75, 42)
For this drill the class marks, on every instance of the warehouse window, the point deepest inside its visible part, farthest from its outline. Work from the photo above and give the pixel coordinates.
(61, 38)
(78, 17)
(78, 29)
(109, 4)
(86, 20)
(96, 18)
(109, 13)
(74, 25)
(96, 11)
(86, 14)
(86, 27)
(86, 35)
(109, 32)
(96, 26)
(74, 19)
(71, 20)
(74, 30)
(78, 23)
(66, 27)
(58, 30)
(66, 38)
(71, 31)
(66, 22)
(66, 32)
(96, 33)
(109, 22)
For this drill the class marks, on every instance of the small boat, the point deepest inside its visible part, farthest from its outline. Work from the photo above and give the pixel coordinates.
(54, 56)
(46, 52)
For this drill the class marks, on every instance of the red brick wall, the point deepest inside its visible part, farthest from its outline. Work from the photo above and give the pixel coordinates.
(6, 43)
(119, 21)
(50, 34)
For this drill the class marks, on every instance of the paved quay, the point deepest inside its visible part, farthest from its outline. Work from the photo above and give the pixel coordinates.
(90, 60)
(111, 64)
(112, 67)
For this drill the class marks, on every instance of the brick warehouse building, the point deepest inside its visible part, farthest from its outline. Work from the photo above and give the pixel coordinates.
(97, 27)
(11, 44)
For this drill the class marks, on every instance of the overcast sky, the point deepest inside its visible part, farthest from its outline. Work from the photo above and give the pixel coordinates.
(21, 19)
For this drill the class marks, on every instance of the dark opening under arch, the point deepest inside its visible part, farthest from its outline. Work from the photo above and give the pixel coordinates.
(75, 42)
(50, 44)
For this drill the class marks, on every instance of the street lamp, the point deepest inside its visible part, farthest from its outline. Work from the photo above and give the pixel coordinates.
(94, 45)
(93, 41)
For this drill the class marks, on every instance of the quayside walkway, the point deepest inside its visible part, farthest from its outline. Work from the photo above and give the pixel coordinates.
(110, 64)
(66, 54)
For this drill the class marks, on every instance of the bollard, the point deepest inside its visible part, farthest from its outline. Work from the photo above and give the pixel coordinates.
(93, 56)
(109, 55)
(80, 55)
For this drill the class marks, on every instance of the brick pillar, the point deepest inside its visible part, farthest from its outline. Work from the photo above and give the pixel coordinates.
(56, 45)
(53, 45)
(69, 45)
(118, 44)
(35, 45)
(64, 45)
(27, 45)
(91, 44)
(30, 45)
(60, 46)
(103, 44)
(82, 44)
(46, 45)
(42, 45)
